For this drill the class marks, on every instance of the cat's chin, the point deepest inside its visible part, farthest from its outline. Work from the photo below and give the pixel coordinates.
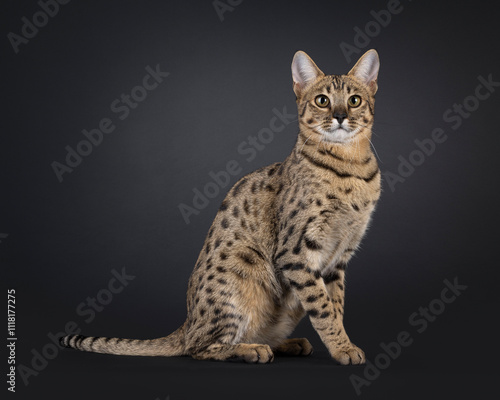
(339, 135)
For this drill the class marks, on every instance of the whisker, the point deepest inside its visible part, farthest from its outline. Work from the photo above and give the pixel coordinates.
(385, 123)
(303, 144)
(358, 148)
(375, 150)
(367, 127)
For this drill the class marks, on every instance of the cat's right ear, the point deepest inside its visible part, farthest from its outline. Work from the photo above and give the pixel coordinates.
(304, 72)
(366, 69)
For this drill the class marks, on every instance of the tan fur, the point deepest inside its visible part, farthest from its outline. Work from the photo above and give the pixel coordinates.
(279, 245)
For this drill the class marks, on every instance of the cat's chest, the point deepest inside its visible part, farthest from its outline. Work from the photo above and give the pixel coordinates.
(341, 231)
(346, 215)
(347, 218)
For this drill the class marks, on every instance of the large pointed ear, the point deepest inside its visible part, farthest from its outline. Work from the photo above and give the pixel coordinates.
(366, 69)
(304, 72)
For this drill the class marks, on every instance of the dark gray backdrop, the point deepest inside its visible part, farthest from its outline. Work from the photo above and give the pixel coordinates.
(119, 207)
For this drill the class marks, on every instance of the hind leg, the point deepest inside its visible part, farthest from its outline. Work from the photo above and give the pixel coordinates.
(294, 347)
(250, 353)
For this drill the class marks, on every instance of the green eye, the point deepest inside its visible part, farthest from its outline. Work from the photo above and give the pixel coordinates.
(354, 101)
(322, 101)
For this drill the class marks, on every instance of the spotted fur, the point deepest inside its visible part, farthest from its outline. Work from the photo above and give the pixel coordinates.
(280, 243)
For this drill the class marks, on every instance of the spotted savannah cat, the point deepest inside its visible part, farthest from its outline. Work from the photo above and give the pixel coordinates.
(280, 242)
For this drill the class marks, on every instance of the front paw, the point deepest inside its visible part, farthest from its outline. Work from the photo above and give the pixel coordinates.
(295, 347)
(349, 354)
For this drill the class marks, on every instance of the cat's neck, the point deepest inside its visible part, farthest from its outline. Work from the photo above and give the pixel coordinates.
(357, 150)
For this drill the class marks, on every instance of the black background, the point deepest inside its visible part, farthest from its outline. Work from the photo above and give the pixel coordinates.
(119, 207)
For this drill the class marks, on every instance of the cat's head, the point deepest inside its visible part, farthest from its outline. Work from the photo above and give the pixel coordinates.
(335, 108)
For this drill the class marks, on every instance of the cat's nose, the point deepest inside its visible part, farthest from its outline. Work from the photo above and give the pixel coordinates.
(340, 117)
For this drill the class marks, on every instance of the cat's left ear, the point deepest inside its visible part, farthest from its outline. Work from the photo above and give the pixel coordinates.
(304, 72)
(366, 70)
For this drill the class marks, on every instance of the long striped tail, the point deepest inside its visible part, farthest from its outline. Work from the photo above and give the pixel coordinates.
(168, 346)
